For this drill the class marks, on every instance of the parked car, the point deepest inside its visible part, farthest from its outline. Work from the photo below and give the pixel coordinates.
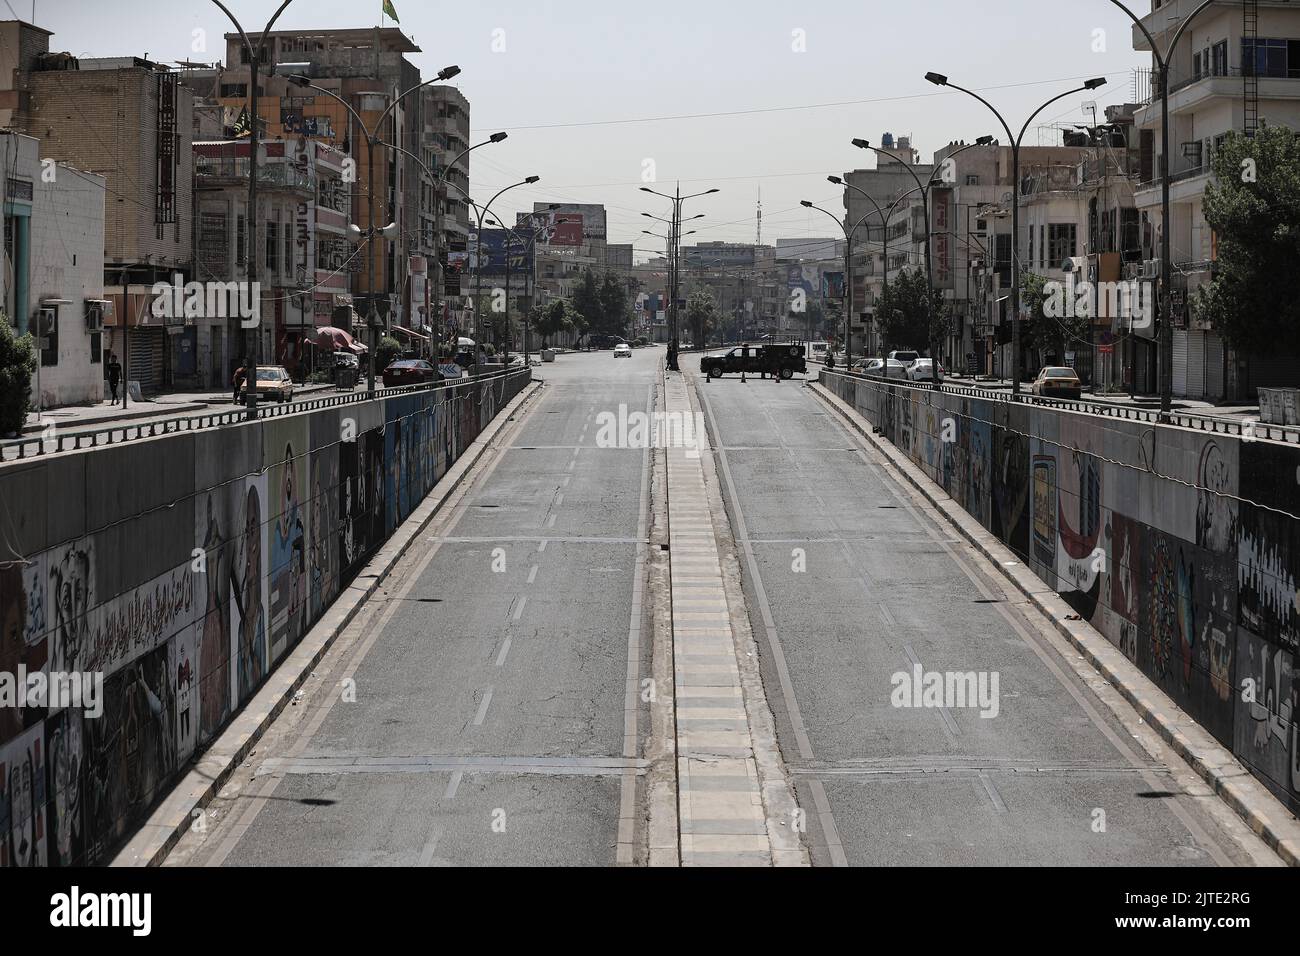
(922, 370)
(1056, 381)
(906, 356)
(787, 357)
(622, 350)
(885, 368)
(272, 382)
(409, 372)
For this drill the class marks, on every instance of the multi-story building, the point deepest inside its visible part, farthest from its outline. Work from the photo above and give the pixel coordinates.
(53, 277)
(302, 222)
(368, 69)
(1236, 68)
(130, 121)
(444, 219)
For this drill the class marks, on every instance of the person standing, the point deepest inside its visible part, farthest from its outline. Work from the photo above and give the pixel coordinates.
(238, 380)
(672, 355)
(114, 375)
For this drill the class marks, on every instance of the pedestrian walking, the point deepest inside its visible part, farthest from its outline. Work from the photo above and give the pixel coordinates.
(114, 375)
(240, 374)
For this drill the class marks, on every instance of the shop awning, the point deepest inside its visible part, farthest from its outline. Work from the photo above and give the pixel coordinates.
(410, 333)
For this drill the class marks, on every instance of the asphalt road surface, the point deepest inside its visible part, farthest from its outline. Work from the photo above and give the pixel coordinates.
(851, 579)
(494, 676)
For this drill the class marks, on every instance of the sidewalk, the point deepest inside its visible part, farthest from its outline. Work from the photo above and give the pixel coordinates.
(159, 406)
(1189, 405)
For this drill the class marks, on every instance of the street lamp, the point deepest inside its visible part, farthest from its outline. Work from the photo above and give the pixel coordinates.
(848, 274)
(1166, 326)
(254, 60)
(478, 247)
(372, 138)
(534, 231)
(938, 79)
(674, 231)
(439, 193)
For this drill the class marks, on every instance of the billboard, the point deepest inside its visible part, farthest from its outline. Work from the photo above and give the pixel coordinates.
(833, 285)
(591, 215)
(571, 232)
(496, 245)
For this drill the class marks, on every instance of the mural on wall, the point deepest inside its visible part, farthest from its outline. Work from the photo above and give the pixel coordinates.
(1181, 548)
(22, 800)
(182, 650)
(248, 591)
(286, 455)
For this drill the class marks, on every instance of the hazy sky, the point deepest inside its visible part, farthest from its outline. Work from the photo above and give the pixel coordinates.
(737, 95)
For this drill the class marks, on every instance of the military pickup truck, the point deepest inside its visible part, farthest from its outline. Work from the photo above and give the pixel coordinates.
(785, 358)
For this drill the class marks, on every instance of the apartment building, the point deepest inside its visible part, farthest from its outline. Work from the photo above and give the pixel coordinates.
(1236, 68)
(302, 221)
(53, 271)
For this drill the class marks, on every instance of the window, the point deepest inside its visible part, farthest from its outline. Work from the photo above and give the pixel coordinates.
(1270, 57)
(1196, 66)
(241, 241)
(1042, 248)
(972, 179)
(96, 346)
(272, 247)
(1031, 245)
(1219, 58)
(1061, 242)
(47, 328)
(232, 90)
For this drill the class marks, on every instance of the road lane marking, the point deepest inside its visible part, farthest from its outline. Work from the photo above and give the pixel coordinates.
(519, 608)
(453, 785)
(482, 707)
(532, 574)
(505, 649)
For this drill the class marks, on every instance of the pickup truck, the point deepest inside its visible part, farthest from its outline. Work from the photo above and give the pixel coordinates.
(788, 357)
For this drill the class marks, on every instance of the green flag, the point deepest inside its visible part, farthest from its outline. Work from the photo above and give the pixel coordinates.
(390, 12)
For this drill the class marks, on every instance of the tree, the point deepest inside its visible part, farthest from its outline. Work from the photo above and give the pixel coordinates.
(586, 302)
(614, 304)
(904, 318)
(1253, 206)
(387, 352)
(1054, 326)
(553, 319)
(17, 366)
(701, 315)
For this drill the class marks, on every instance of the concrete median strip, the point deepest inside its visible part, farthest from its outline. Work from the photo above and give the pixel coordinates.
(1211, 761)
(176, 813)
(728, 797)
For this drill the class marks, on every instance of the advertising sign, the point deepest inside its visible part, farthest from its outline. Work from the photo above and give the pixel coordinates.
(567, 233)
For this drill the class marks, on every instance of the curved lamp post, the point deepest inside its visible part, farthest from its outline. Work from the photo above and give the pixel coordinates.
(1166, 328)
(938, 79)
(534, 231)
(848, 274)
(478, 247)
(254, 61)
(372, 139)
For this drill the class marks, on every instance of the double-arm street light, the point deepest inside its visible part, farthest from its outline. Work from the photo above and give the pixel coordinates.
(925, 209)
(372, 140)
(478, 250)
(1166, 325)
(674, 232)
(254, 54)
(940, 80)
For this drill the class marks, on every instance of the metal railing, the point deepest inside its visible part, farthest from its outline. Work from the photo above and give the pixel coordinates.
(1248, 428)
(24, 449)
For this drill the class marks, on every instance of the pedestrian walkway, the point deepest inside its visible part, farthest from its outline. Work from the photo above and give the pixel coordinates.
(160, 406)
(719, 793)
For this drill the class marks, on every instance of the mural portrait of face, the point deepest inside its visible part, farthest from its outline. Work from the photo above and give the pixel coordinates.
(70, 578)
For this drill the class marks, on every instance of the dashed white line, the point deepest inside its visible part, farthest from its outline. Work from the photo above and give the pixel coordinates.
(505, 649)
(519, 608)
(482, 707)
(532, 574)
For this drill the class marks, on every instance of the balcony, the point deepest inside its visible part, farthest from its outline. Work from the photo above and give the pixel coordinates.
(217, 171)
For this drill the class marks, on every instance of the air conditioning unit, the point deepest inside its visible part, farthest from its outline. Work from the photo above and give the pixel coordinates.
(94, 315)
(1150, 269)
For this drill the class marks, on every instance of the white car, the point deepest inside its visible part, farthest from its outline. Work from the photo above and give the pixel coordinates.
(922, 370)
(884, 368)
(623, 350)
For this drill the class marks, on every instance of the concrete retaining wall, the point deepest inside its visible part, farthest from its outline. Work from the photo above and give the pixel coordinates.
(1179, 546)
(182, 569)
